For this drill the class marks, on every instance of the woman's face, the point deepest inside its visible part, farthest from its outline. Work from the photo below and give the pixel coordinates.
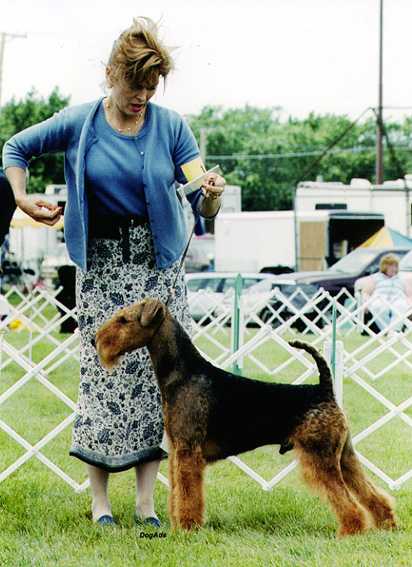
(132, 101)
(392, 270)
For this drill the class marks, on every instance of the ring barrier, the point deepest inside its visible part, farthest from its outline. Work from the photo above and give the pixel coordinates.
(368, 360)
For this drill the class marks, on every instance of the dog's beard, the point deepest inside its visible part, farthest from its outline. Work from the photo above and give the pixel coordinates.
(109, 358)
(109, 361)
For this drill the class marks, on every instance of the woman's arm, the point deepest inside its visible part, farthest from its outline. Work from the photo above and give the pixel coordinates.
(38, 209)
(46, 137)
(367, 287)
(407, 284)
(186, 151)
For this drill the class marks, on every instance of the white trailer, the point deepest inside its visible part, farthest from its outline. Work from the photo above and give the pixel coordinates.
(265, 241)
(393, 199)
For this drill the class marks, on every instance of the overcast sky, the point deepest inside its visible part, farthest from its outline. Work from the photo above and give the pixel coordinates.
(302, 55)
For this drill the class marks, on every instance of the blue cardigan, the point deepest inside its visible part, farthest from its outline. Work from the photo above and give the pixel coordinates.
(168, 142)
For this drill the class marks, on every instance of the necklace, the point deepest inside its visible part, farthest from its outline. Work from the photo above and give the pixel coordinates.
(126, 129)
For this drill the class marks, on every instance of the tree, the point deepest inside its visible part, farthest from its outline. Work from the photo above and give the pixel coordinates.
(18, 115)
(267, 157)
(257, 149)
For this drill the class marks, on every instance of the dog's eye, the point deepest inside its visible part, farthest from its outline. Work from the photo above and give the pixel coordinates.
(122, 319)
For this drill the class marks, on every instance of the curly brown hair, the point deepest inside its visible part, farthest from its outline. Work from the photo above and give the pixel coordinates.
(138, 57)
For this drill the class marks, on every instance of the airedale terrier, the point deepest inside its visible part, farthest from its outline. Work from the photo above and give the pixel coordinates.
(210, 414)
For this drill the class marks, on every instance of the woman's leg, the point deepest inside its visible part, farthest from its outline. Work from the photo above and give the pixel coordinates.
(399, 308)
(146, 474)
(99, 480)
(381, 311)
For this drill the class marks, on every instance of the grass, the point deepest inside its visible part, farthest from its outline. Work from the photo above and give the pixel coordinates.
(44, 523)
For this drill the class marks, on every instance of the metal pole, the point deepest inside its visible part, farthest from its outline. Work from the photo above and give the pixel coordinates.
(295, 230)
(379, 132)
(237, 323)
(333, 354)
(333, 350)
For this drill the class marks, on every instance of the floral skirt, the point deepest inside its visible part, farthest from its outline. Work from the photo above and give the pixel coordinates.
(119, 422)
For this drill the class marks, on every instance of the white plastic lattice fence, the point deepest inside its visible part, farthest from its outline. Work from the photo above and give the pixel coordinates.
(268, 322)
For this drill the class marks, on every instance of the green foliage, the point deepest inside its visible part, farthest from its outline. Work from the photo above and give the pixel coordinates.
(18, 115)
(267, 182)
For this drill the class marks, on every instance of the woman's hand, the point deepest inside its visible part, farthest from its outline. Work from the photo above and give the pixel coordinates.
(213, 186)
(39, 210)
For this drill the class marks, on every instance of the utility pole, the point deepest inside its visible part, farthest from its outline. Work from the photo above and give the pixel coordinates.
(379, 132)
(203, 144)
(3, 37)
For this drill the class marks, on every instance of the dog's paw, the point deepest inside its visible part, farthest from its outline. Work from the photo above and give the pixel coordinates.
(189, 524)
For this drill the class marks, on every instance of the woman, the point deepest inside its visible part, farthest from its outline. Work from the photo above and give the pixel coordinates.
(388, 297)
(125, 231)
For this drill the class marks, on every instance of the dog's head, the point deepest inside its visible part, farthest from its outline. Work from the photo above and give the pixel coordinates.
(130, 328)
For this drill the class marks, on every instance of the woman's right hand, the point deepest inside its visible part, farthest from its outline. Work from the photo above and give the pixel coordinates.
(40, 210)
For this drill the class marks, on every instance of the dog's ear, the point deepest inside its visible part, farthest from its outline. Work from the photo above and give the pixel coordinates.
(153, 313)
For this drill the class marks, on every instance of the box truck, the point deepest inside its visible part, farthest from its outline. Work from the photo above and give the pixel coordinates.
(269, 241)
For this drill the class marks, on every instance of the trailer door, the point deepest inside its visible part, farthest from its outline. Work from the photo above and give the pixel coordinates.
(313, 243)
(348, 230)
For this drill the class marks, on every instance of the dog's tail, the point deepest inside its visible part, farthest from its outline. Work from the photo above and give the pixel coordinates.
(325, 376)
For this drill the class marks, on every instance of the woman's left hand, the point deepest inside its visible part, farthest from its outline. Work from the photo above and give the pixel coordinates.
(213, 186)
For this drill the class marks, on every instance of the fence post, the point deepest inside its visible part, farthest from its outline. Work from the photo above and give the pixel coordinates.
(337, 368)
(360, 311)
(333, 351)
(237, 324)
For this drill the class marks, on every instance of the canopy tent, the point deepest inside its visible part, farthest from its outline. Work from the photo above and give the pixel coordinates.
(387, 238)
(21, 220)
(30, 241)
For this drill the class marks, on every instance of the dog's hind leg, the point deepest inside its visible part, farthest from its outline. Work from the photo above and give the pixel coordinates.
(323, 473)
(189, 468)
(376, 501)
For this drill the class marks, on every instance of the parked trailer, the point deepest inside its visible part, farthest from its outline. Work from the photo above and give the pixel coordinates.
(265, 241)
(393, 199)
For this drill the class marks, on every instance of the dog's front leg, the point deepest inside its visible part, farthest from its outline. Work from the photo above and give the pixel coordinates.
(173, 486)
(188, 476)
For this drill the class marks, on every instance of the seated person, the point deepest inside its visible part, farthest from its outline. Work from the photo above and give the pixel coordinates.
(388, 295)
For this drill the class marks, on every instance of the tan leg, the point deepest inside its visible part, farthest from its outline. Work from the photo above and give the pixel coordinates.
(189, 468)
(146, 475)
(323, 473)
(173, 487)
(376, 501)
(99, 480)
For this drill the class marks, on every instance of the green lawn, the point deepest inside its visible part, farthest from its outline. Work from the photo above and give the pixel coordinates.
(44, 523)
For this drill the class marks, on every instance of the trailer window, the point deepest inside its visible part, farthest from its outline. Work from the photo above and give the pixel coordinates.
(333, 206)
